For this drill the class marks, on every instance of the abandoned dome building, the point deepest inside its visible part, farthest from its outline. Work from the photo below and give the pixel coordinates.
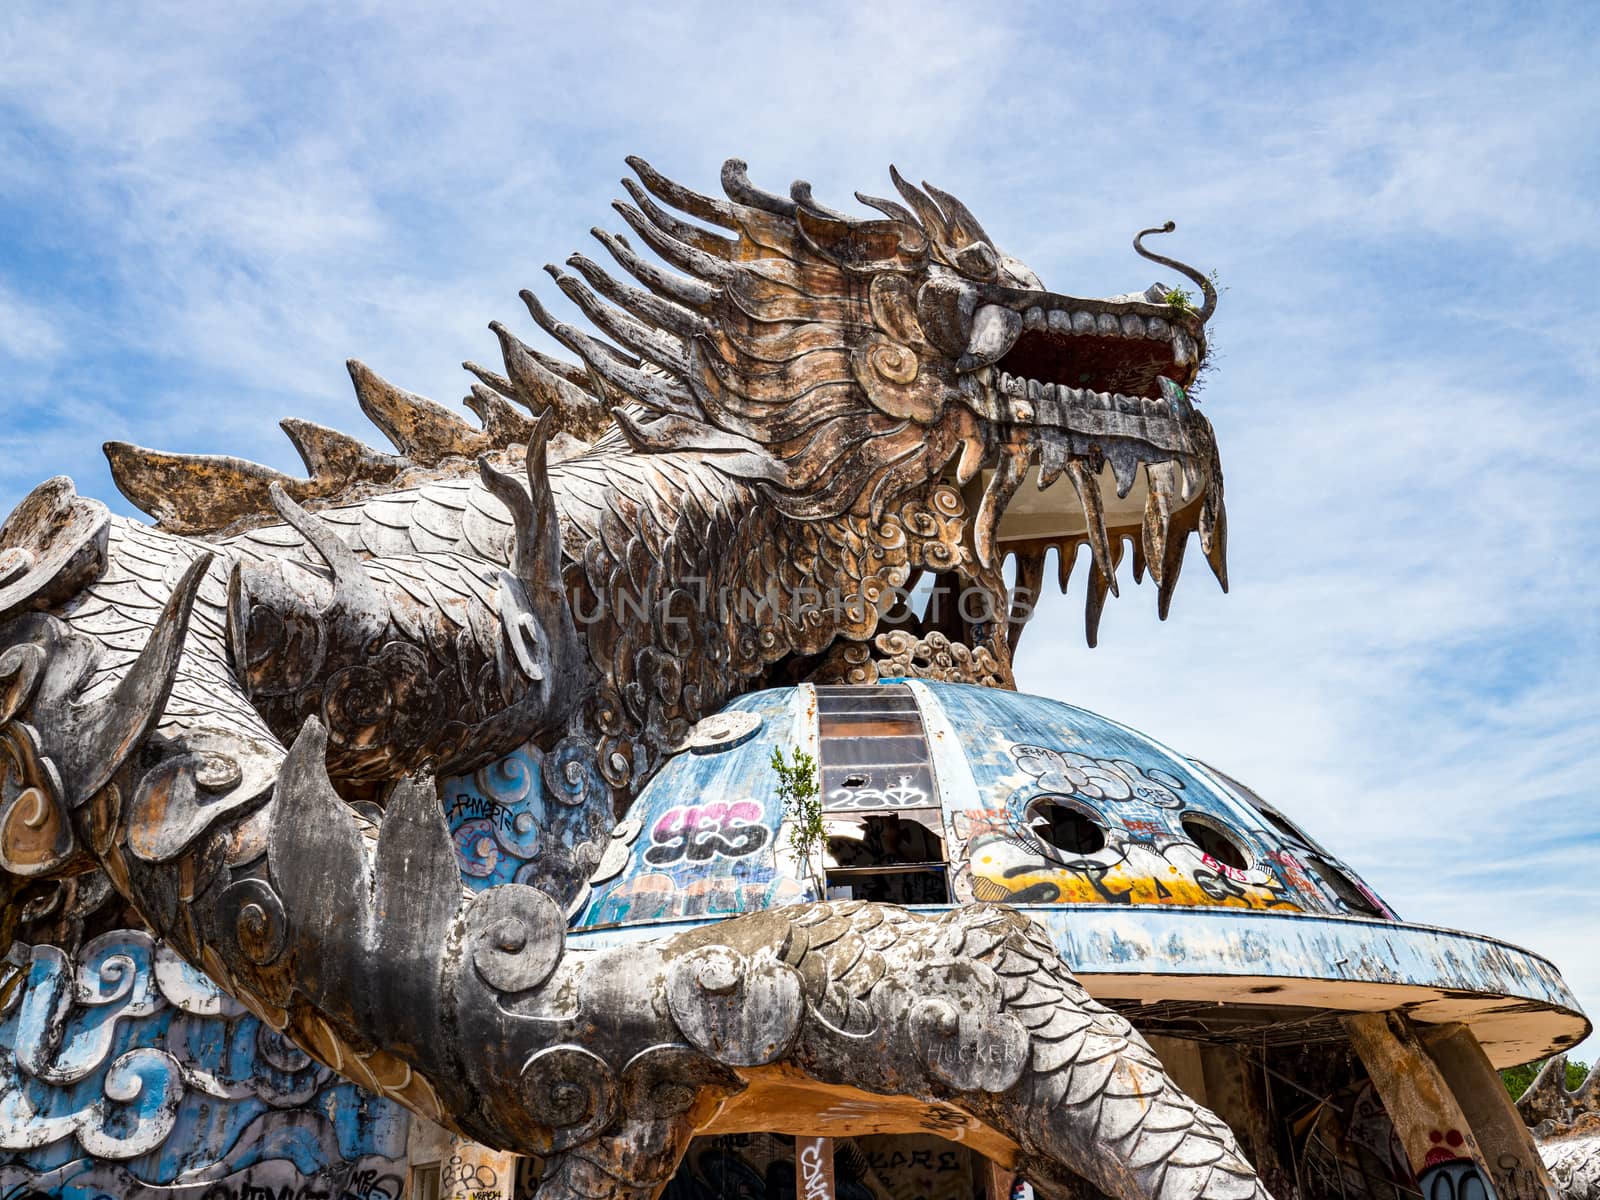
(434, 826)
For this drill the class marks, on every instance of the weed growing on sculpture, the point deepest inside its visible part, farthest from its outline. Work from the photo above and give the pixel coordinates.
(802, 802)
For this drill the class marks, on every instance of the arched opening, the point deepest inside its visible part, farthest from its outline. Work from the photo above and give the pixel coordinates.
(1213, 841)
(1065, 828)
(1351, 894)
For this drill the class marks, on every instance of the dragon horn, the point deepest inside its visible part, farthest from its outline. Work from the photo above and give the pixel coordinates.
(1206, 288)
(536, 554)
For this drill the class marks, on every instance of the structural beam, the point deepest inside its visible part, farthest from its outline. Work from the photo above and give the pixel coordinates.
(1507, 1144)
(1438, 1140)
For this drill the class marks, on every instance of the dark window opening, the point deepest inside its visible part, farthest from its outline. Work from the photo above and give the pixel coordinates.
(890, 859)
(1351, 893)
(1065, 827)
(1283, 825)
(425, 1181)
(1216, 843)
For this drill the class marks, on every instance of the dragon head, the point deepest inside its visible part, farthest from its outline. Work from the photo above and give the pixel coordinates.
(843, 363)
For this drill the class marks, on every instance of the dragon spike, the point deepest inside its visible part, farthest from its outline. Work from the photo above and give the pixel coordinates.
(191, 493)
(706, 208)
(1025, 593)
(685, 257)
(505, 424)
(895, 212)
(1176, 546)
(353, 590)
(691, 235)
(585, 347)
(1066, 559)
(1087, 485)
(615, 368)
(536, 554)
(736, 182)
(958, 217)
(329, 454)
(422, 430)
(1125, 461)
(1205, 285)
(927, 211)
(1163, 481)
(660, 348)
(104, 734)
(1587, 1098)
(663, 314)
(691, 293)
(800, 190)
(537, 387)
(1547, 1098)
(493, 380)
(574, 374)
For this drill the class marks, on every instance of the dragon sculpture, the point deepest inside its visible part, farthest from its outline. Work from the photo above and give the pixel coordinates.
(1566, 1127)
(236, 715)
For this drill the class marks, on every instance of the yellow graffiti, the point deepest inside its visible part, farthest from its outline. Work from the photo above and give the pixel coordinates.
(1127, 872)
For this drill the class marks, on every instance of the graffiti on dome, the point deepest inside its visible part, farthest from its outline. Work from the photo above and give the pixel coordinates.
(1098, 778)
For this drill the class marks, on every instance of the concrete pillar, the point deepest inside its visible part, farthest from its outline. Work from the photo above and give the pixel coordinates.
(1514, 1163)
(1235, 1090)
(813, 1168)
(1438, 1139)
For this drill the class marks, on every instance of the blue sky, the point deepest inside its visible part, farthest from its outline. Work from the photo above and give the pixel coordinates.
(202, 214)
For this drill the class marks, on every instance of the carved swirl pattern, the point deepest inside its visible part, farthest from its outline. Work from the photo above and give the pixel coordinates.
(515, 935)
(104, 1057)
(573, 1090)
(529, 817)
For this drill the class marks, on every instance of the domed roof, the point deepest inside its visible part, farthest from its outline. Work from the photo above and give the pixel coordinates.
(1172, 890)
(1014, 798)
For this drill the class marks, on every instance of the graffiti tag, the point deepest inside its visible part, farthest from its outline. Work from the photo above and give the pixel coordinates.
(1114, 779)
(701, 832)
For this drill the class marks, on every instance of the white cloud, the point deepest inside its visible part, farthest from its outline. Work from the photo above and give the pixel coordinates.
(27, 333)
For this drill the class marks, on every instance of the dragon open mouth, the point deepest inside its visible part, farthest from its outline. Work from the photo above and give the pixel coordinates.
(1071, 387)
(1096, 349)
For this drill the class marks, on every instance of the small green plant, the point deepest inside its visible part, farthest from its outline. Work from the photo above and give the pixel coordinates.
(1183, 300)
(802, 804)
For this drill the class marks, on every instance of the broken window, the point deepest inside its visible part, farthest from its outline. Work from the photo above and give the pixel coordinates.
(881, 809)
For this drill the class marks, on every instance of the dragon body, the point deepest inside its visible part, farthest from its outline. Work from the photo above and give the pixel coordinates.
(1566, 1127)
(236, 716)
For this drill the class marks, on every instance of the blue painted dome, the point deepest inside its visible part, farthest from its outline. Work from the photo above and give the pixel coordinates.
(942, 793)
(1169, 888)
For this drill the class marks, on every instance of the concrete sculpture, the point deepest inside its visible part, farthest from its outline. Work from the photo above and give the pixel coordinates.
(243, 718)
